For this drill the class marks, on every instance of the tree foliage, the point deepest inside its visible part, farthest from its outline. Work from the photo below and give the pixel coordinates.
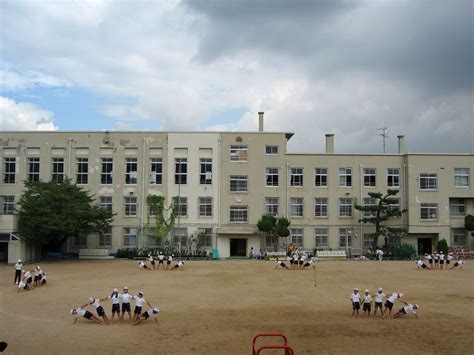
(382, 211)
(163, 225)
(51, 212)
(469, 222)
(276, 227)
(442, 245)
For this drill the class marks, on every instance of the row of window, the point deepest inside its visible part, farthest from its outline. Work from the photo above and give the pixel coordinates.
(238, 183)
(428, 211)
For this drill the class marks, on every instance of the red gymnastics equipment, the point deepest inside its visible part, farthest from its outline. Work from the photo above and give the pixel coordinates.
(284, 346)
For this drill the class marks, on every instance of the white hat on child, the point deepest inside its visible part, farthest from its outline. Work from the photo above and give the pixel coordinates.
(366, 290)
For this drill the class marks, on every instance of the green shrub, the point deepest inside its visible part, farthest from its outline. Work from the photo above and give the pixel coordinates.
(402, 251)
(442, 245)
(127, 253)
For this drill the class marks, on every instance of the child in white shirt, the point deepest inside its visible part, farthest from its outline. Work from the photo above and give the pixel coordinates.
(367, 304)
(355, 298)
(379, 297)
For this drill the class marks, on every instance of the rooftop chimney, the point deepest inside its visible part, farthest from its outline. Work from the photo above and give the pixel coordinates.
(260, 121)
(330, 143)
(401, 144)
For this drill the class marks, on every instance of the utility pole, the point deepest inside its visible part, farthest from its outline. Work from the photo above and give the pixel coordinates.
(383, 133)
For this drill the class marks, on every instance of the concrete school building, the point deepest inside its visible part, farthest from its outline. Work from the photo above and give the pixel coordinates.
(225, 182)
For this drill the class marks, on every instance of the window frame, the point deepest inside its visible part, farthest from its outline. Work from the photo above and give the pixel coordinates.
(181, 203)
(9, 170)
(271, 176)
(461, 204)
(130, 205)
(238, 153)
(269, 150)
(57, 174)
(296, 205)
(7, 205)
(370, 177)
(428, 178)
(155, 176)
(272, 208)
(204, 203)
(296, 177)
(323, 206)
(33, 165)
(127, 234)
(299, 235)
(428, 206)
(454, 236)
(461, 175)
(321, 233)
(106, 205)
(238, 183)
(205, 171)
(320, 174)
(180, 171)
(393, 178)
(131, 171)
(233, 210)
(345, 177)
(345, 205)
(82, 177)
(342, 237)
(106, 175)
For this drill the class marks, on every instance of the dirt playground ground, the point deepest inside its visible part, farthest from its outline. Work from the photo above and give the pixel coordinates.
(217, 307)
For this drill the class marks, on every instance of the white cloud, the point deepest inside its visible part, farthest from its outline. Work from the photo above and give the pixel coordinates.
(24, 116)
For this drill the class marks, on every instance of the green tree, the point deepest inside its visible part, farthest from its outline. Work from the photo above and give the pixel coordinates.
(442, 245)
(276, 227)
(469, 223)
(51, 212)
(380, 212)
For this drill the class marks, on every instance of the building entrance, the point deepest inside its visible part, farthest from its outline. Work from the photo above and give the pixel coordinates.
(425, 245)
(238, 247)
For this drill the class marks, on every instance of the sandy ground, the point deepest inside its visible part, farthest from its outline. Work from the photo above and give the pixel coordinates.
(217, 307)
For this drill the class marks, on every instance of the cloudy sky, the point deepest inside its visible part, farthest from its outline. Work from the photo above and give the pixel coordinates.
(314, 67)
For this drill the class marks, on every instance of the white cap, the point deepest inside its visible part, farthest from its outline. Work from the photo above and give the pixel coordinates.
(441, 252)
(91, 300)
(161, 253)
(156, 310)
(19, 260)
(417, 307)
(125, 288)
(72, 311)
(140, 293)
(356, 289)
(115, 290)
(366, 290)
(380, 289)
(400, 295)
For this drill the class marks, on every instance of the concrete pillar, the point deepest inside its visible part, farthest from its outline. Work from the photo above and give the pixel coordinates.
(401, 144)
(260, 121)
(330, 143)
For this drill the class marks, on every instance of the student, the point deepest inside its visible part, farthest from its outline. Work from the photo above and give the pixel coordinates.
(23, 285)
(126, 297)
(168, 262)
(441, 260)
(301, 261)
(180, 264)
(161, 258)
(94, 302)
(367, 304)
(309, 263)
(148, 314)
(141, 265)
(430, 260)
(115, 298)
(44, 280)
(152, 261)
(29, 280)
(18, 268)
(390, 302)
(408, 309)
(379, 296)
(449, 257)
(420, 264)
(292, 261)
(139, 301)
(355, 298)
(436, 260)
(281, 264)
(79, 312)
(457, 263)
(38, 276)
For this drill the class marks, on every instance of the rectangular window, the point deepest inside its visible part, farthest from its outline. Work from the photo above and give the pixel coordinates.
(238, 183)
(370, 202)
(156, 171)
(106, 171)
(129, 237)
(461, 177)
(458, 236)
(58, 170)
(180, 235)
(321, 238)
(8, 204)
(271, 177)
(205, 206)
(130, 206)
(429, 211)
(238, 153)
(181, 171)
(271, 150)
(181, 204)
(369, 177)
(82, 171)
(105, 240)
(105, 202)
(271, 206)
(205, 237)
(9, 170)
(345, 177)
(33, 169)
(80, 241)
(269, 241)
(296, 207)
(368, 241)
(429, 181)
(393, 177)
(238, 214)
(131, 171)
(296, 236)
(394, 207)
(345, 207)
(321, 207)
(205, 175)
(296, 176)
(345, 234)
(457, 207)
(321, 177)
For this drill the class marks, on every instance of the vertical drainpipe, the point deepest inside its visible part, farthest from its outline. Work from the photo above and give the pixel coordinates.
(361, 236)
(404, 196)
(218, 207)
(286, 185)
(69, 153)
(143, 188)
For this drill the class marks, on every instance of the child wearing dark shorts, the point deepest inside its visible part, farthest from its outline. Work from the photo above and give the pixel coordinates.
(355, 298)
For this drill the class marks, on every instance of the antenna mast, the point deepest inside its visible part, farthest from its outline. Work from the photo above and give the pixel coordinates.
(383, 133)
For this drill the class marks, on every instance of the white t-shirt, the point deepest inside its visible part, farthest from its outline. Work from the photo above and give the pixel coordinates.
(126, 297)
(139, 301)
(151, 313)
(27, 274)
(115, 299)
(441, 256)
(80, 312)
(460, 262)
(95, 304)
(311, 262)
(409, 309)
(170, 258)
(44, 278)
(429, 257)
(180, 263)
(150, 258)
(367, 299)
(419, 262)
(450, 257)
(393, 297)
(21, 284)
(379, 297)
(355, 297)
(436, 256)
(141, 265)
(161, 257)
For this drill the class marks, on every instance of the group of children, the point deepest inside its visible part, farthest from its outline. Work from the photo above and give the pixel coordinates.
(439, 262)
(161, 262)
(300, 263)
(366, 302)
(120, 306)
(29, 279)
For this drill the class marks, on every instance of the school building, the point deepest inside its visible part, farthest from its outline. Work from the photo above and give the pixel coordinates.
(224, 182)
